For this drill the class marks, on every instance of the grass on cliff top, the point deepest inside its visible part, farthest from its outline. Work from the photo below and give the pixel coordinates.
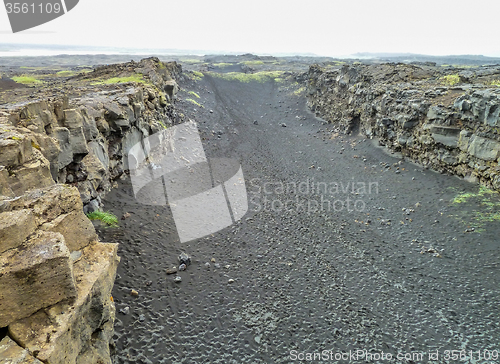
(106, 217)
(222, 65)
(450, 80)
(66, 73)
(260, 77)
(195, 75)
(27, 80)
(490, 207)
(252, 63)
(137, 77)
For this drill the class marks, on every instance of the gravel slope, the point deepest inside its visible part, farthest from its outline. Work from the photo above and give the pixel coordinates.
(397, 274)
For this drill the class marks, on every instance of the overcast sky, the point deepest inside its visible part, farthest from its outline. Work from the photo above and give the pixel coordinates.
(334, 27)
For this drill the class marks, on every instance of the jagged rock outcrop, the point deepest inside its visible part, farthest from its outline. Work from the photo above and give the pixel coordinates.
(58, 156)
(415, 110)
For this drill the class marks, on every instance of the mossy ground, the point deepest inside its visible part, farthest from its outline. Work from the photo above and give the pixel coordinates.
(479, 207)
(195, 75)
(194, 94)
(450, 80)
(139, 78)
(195, 103)
(27, 80)
(252, 63)
(222, 65)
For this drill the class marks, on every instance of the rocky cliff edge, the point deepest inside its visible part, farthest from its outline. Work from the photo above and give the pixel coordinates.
(60, 151)
(444, 118)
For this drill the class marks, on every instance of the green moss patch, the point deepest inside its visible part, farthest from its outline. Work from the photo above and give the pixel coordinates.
(252, 63)
(106, 217)
(194, 94)
(299, 91)
(222, 65)
(138, 78)
(450, 80)
(195, 103)
(195, 75)
(478, 207)
(27, 80)
(66, 73)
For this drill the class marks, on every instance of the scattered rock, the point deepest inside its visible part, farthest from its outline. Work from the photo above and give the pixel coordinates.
(134, 293)
(431, 250)
(125, 216)
(184, 259)
(125, 310)
(172, 270)
(177, 279)
(182, 267)
(230, 281)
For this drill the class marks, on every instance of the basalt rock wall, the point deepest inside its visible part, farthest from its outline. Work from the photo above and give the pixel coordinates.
(443, 118)
(59, 154)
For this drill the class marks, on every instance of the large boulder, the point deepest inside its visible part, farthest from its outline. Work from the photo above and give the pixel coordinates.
(77, 332)
(37, 275)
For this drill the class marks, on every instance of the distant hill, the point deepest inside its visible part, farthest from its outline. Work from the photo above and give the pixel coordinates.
(467, 59)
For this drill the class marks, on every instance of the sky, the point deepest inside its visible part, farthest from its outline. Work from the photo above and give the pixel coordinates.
(330, 28)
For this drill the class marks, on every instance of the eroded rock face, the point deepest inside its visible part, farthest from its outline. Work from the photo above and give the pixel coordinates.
(411, 109)
(58, 156)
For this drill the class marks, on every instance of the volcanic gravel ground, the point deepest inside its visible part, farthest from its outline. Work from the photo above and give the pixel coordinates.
(396, 274)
